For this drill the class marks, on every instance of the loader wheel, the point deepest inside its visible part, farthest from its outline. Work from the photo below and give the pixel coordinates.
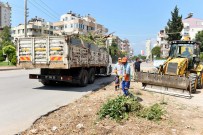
(200, 81)
(193, 82)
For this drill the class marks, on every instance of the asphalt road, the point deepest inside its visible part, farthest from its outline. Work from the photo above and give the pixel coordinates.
(22, 100)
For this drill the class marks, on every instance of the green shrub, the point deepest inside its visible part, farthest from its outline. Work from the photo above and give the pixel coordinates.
(201, 56)
(14, 59)
(119, 108)
(1, 56)
(153, 112)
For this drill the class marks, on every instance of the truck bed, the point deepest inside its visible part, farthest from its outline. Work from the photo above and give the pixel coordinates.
(58, 53)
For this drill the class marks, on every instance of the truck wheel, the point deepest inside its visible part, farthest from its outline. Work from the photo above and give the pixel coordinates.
(91, 76)
(193, 82)
(110, 70)
(83, 78)
(200, 81)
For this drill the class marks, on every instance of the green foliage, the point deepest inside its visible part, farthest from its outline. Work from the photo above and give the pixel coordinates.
(5, 34)
(154, 112)
(6, 43)
(10, 51)
(1, 56)
(199, 38)
(4, 64)
(93, 38)
(113, 49)
(142, 57)
(156, 51)
(139, 56)
(119, 108)
(174, 26)
(134, 58)
(201, 56)
(14, 59)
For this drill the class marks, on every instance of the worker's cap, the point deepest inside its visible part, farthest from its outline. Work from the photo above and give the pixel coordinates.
(124, 59)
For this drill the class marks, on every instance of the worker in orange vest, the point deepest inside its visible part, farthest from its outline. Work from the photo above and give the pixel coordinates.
(126, 76)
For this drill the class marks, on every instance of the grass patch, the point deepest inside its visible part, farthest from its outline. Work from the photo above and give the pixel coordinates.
(120, 107)
(5, 64)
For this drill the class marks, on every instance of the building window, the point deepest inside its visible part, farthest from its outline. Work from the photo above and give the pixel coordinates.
(71, 25)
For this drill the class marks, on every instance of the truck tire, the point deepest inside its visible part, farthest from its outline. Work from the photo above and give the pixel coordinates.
(91, 76)
(193, 82)
(200, 81)
(108, 72)
(83, 78)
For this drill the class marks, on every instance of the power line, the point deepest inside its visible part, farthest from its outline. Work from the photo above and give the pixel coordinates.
(45, 9)
(50, 8)
(54, 18)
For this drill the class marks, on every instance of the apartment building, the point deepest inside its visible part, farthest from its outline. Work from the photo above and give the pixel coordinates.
(191, 27)
(5, 14)
(72, 23)
(163, 44)
(36, 27)
(116, 39)
(125, 46)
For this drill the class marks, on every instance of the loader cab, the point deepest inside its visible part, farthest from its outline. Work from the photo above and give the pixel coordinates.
(185, 49)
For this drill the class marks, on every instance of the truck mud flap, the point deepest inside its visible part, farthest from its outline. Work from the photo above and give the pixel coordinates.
(166, 84)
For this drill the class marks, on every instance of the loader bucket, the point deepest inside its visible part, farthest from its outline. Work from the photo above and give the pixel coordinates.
(166, 84)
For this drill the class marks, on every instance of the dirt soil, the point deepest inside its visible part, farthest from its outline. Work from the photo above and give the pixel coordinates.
(80, 117)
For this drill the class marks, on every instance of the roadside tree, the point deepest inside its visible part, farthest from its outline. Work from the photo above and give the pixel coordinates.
(1, 56)
(10, 52)
(156, 51)
(199, 38)
(174, 26)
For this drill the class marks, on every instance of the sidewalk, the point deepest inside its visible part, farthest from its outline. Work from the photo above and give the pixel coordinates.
(4, 68)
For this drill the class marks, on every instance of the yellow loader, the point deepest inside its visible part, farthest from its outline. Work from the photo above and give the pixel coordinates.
(180, 75)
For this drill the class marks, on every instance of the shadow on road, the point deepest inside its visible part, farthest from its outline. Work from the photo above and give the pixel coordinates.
(99, 83)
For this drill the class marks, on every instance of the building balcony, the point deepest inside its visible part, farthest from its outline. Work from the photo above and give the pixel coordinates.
(164, 42)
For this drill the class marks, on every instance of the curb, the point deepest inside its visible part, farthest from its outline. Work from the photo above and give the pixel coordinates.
(6, 69)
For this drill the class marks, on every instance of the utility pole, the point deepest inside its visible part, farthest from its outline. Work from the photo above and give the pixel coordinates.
(26, 15)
